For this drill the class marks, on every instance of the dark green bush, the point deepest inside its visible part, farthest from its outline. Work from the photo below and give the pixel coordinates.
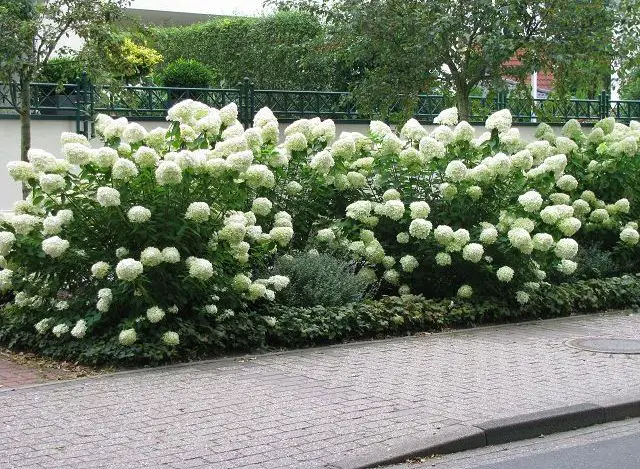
(320, 280)
(302, 327)
(61, 70)
(187, 73)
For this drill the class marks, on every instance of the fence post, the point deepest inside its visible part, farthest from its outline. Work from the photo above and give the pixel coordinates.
(604, 104)
(246, 102)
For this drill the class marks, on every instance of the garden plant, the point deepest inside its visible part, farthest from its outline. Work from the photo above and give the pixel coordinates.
(178, 242)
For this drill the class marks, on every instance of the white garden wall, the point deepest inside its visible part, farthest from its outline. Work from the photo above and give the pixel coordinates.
(46, 135)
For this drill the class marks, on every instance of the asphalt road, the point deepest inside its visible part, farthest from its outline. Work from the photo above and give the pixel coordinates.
(610, 446)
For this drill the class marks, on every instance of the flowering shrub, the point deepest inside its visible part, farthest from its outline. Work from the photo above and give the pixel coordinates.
(153, 230)
(155, 240)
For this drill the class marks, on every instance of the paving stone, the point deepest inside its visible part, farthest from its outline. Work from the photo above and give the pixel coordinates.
(306, 408)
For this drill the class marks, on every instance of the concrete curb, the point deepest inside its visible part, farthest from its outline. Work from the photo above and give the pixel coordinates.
(466, 437)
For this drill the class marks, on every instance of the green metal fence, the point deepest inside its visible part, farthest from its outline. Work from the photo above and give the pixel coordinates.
(83, 100)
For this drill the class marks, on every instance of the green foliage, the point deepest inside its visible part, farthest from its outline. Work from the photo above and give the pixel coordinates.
(463, 44)
(187, 73)
(320, 279)
(61, 70)
(251, 47)
(319, 325)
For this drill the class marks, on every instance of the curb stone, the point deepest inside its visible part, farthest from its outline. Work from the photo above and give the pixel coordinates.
(467, 437)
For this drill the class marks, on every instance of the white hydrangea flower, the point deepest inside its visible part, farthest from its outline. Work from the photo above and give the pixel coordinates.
(392, 276)
(554, 213)
(522, 297)
(560, 198)
(531, 201)
(155, 314)
(448, 116)
(408, 263)
(24, 224)
(146, 157)
(388, 262)
(151, 257)
(521, 240)
(108, 197)
(80, 329)
(256, 290)
(114, 128)
(41, 160)
(261, 206)
(77, 153)
(171, 338)
(72, 137)
(542, 242)
(44, 325)
(622, 206)
(465, 291)
(404, 290)
(525, 223)
(200, 269)
(303, 126)
(6, 279)
(322, 162)
(419, 209)
(567, 266)
(393, 209)
(488, 234)
(464, 132)
(296, 142)
(134, 133)
(129, 269)
(443, 259)
(359, 210)
(124, 170)
(456, 171)
(51, 183)
(199, 212)
(21, 171)
(420, 228)
(55, 246)
(402, 238)
(413, 130)
(259, 175)
(448, 191)
(168, 173)
(356, 180)
(170, 255)
(105, 157)
(505, 274)
(566, 248)
(567, 183)
(473, 252)
(444, 235)
(234, 130)
(522, 160)
(474, 192)
(293, 188)
(443, 134)
(569, 226)
(7, 239)
(599, 215)
(60, 329)
(279, 282)
(500, 120)
(326, 235)
(127, 337)
(379, 128)
(629, 236)
(100, 269)
(138, 214)
(156, 138)
(430, 148)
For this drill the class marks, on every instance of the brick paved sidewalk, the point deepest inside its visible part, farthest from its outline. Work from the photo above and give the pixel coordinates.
(303, 409)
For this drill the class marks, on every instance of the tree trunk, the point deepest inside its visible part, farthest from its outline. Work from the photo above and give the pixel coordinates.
(463, 104)
(25, 122)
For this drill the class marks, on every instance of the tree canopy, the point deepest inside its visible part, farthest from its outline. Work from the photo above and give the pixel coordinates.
(410, 45)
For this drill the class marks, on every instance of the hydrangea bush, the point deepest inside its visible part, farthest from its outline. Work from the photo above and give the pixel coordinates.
(157, 231)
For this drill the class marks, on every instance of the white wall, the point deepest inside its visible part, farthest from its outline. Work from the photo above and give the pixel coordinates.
(45, 134)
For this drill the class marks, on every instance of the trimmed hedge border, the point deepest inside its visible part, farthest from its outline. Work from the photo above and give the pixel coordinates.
(298, 327)
(395, 316)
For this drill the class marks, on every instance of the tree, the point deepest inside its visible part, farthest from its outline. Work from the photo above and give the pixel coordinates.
(411, 43)
(31, 33)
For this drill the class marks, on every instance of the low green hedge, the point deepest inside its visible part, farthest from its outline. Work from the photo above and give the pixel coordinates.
(392, 315)
(303, 327)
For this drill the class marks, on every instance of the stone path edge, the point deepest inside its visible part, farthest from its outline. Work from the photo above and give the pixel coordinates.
(493, 432)
(297, 351)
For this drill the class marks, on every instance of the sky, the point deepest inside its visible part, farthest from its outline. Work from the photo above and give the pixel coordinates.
(219, 7)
